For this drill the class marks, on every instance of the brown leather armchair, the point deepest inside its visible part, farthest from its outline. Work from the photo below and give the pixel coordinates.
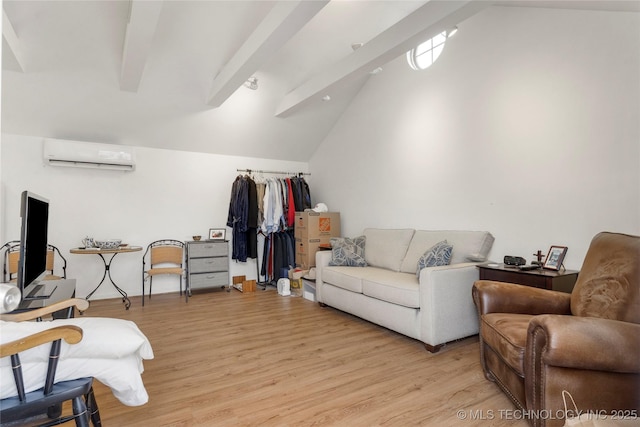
(534, 343)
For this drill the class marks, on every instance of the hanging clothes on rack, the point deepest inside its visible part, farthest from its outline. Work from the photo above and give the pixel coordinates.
(291, 206)
(243, 219)
(306, 194)
(278, 255)
(252, 219)
(301, 193)
(297, 197)
(260, 187)
(273, 206)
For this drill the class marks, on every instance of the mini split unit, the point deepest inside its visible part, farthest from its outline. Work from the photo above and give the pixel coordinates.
(59, 152)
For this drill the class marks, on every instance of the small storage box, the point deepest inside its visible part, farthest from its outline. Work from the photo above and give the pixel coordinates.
(309, 289)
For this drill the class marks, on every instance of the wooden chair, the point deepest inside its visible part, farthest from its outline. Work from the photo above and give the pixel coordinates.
(12, 257)
(165, 257)
(49, 399)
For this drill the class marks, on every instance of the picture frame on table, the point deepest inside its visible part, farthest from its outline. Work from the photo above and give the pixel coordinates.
(217, 233)
(554, 258)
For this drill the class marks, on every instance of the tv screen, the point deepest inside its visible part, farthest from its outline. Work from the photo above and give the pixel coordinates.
(34, 210)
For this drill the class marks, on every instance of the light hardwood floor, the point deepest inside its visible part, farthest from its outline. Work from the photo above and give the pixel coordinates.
(234, 359)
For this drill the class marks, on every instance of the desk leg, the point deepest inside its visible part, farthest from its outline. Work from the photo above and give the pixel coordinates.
(107, 272)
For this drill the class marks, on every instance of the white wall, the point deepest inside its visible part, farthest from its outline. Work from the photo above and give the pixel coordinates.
(171, 194)
(526, 126)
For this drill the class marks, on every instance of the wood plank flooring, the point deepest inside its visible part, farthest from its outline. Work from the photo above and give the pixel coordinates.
(248, 359)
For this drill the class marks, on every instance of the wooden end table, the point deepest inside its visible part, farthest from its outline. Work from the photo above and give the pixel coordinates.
(562, 280)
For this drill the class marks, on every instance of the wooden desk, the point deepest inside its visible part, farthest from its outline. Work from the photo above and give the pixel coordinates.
(546, 279)
(64, 289)
(107, 266)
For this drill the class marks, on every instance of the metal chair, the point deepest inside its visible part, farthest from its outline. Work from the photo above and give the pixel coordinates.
(48, 399)
(53, 253)
(165, 257)
(12, 257)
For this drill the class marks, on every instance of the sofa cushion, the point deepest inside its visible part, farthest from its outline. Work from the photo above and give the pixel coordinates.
(394, 287)
(506, 333)
(350, 278)
(437, 255)
(348, 252)
(467, 246)
(386, 248)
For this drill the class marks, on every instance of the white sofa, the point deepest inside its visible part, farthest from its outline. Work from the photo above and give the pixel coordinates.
(436, 308)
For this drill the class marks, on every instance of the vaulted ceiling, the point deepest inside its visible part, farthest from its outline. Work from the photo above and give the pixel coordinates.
(171, 74)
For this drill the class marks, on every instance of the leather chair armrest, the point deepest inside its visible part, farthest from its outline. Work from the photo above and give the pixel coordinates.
(499, 297)
(584, 343)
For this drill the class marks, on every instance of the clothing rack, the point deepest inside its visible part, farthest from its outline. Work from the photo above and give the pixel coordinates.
(281, 247)
(273, 172)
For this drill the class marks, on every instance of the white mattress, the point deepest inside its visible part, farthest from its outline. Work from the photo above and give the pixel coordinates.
(111, 351)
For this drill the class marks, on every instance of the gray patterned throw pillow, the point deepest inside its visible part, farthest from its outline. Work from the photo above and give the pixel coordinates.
(348, 252)
(438, 254)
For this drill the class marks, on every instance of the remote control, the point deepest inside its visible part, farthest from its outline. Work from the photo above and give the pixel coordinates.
(529, 267)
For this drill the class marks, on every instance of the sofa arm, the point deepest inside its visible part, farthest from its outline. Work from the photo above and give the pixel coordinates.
(322, 260)
(446, 306)
(584, 343)
(500, 297)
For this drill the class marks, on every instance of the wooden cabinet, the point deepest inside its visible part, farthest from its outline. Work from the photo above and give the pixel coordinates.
(207, 265)
(545, 279)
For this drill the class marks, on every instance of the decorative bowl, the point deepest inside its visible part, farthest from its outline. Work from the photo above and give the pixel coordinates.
(196, 238)
(108, 244)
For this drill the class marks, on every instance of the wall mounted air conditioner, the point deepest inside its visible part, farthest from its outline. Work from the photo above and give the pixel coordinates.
(61, 152)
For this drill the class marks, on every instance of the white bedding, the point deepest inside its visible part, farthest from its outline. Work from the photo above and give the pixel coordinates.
(111, 351)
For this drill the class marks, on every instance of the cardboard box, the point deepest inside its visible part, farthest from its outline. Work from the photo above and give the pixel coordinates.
(306, 251)
(297, 273)
(296, 287)
(311, 225)
(249, 286)
(243, 285)
(295, 281)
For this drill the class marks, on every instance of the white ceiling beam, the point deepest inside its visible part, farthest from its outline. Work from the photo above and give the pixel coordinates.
(13, 42)
(284, 20)
(427, 21)
(143, 20)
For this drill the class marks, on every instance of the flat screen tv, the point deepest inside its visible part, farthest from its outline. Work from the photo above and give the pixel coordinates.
(34, 210)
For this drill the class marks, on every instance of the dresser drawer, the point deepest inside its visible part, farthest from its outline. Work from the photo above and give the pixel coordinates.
(207, 280)
(205, 265)
(208, 249)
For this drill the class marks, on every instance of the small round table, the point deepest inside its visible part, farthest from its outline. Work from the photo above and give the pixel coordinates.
(107, 266)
